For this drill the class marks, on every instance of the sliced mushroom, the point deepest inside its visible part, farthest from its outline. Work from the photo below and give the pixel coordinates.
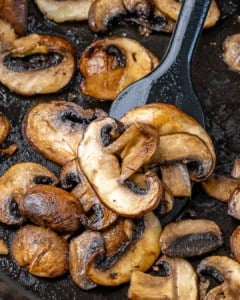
(7, 35)
(235, 173)
(220, 187)
(4, 130)
(13, 185)
(135, 147)
(176, 178)
(36, 76)
(235, 242)
(15, 12)
(65, 10)
(168, 119)
(51, 207)
(234, 204)
(231, 54)
(179, 283)
(41, 251)
(139, 255)
(84, 248)
(187, 238)
(227, 272)
(55, 129)
(186, 148)
(103, 172)
(111, 64)
(3, 248)
(172, 9)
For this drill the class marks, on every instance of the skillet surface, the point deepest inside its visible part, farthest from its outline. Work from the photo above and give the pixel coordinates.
(218, 89)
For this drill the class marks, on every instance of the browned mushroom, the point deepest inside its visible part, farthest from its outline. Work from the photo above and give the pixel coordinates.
(47, 67)
(54, 129)
(176, 177)
(235, 173)
(227, 272)
(51, 207)
(13, 185)
(187, 238)
(235, 243)
(169, 121)
(231, 54)
(172, 9)
(65, 10)
(7, 35)
(3, 248)
(220, 187)
(4, 130)
(111, 64)
(129, 245)
(179, 283)
(103, 172)
(15, 12)
(41, 251)
(234, 204)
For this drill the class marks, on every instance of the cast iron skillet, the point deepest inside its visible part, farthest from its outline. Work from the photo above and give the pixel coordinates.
(218, 89)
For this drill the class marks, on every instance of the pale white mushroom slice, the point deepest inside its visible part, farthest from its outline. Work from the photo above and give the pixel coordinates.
(37, 79)
(235, 173)
(180, 282)
(65, 10)
(234, 204)
(172, 9)
(55, 129)
(231, 52)
(13, 185)
(103, 172)
(111, 64)
(227, 272)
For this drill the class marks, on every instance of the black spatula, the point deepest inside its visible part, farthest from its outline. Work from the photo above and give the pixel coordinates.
(171, 81)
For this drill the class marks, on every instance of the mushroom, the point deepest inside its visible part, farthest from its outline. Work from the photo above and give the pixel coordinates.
(227, 272)
(103, 172)
(129, 245)
(235, 242)
(15, 12)
(179, 282)
(37, 64)
(169, 120)
(135, 147)
(111, 64)
(51, 207)
(172, 8)
(55, 129)
(235, 173)
(13, 185)
(234, 204)
(65, 10)
(41, 251)
(4, 130)
(176, 177)
(231, 52)
(96, 215)
(7, 35)
(220, 187)
(187, 238)
(3, 248)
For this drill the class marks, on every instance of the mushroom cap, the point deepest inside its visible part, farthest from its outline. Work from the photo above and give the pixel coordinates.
(41, 251)
(40, 81)
(103, 172)
(55, 129)
(65, 10)
(231, 51)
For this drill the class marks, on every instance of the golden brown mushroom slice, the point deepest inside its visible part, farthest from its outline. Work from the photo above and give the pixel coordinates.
(231, 52)
(226, 271)
(111, 64)
(53, 67)
(7, 35)
(118, 264)
(180, 282)
(15, 182)
(96, 215)
(51, 207)
(188, 238)
(15, 12)
(172, 8)
(55, 129)
(220, 187)
(168, 119)
(235, 173)
(3, 248)
(235, 243)
(103, 172)
(65, 10)
(4, 130)
(41, 251)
